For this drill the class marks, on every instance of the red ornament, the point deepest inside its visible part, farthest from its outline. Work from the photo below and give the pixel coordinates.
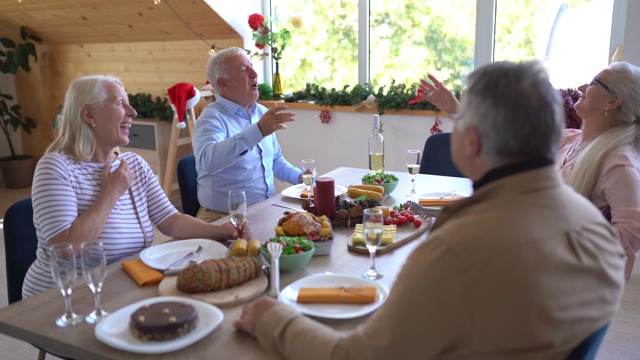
(417, 98)
(255, 20)
(325, 116)
(435, 129)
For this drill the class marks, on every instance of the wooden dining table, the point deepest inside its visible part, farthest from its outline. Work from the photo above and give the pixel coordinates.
(32, 319)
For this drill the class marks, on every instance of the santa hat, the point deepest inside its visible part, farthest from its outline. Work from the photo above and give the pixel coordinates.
(206, 90)
(183, 97)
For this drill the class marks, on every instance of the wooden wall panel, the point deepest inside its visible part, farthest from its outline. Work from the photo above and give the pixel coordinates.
(149, 67)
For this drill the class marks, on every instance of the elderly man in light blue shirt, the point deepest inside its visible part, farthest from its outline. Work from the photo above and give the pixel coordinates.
(235, 143)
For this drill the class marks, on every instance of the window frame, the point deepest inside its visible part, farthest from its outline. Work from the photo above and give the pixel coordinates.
(484, 34)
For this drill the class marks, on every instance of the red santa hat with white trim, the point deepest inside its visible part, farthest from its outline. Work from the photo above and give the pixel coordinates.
(183, 97)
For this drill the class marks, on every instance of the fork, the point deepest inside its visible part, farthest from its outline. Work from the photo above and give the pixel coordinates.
(422, 212)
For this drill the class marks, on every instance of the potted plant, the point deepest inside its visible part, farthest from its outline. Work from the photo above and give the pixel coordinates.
(17, 170)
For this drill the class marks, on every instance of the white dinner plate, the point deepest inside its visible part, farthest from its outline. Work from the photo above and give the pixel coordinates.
(163, 255)
(295, 190)
(332, 311)
(114, 329)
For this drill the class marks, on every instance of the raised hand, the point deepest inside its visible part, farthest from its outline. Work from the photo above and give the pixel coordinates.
(437, 94)
(275, 119)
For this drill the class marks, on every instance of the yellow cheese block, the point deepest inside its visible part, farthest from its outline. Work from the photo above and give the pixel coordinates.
(388, 235)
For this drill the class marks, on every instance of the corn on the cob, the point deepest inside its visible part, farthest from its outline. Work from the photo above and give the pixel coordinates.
(385, 210)
(239, 248)
(388, 234)
(253, 249)
(376, 188)
(354, 193)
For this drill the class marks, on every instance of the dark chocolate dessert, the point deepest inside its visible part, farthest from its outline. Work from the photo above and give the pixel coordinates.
(163, 321)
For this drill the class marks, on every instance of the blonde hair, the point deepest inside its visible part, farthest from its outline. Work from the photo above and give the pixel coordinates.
(74, 135)
(624, 81)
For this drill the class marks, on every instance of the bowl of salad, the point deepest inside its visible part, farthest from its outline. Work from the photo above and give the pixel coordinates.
(296, 252)
(388, 181)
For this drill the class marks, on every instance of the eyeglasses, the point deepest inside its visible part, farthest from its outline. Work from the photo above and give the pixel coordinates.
(597, 81)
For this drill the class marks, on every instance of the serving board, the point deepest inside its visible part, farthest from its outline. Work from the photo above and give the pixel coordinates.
(404, 234)
(223, 298)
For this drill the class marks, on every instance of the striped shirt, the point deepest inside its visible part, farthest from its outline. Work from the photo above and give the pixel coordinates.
(64, 188)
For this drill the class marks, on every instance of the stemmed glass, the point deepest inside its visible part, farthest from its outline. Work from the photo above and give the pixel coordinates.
(94, 270)
(309, 176)
(413, 166)
(237, 208)
(373, 222)
(63, 271)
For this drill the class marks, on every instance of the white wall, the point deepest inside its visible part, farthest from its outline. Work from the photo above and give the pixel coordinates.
(344, 141)
(631, 45)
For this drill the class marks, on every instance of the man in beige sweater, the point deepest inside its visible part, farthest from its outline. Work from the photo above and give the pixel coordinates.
(523, 269)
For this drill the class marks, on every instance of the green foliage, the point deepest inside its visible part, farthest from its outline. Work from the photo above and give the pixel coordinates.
(148, 108)
(266, 91)
(16, 56)
(396, 97)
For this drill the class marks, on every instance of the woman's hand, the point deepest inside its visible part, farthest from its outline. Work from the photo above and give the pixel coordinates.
(438, 95)
(251, 313)
(118, 181)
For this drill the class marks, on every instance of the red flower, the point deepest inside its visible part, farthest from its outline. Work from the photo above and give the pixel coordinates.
(255, 20)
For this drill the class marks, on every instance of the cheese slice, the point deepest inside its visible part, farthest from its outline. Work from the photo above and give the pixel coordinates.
(388, 235)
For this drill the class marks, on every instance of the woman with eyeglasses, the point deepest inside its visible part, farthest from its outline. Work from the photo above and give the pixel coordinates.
(602, 160)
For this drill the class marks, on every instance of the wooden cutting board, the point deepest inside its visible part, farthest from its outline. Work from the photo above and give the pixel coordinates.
(404, 234)
(228, 297)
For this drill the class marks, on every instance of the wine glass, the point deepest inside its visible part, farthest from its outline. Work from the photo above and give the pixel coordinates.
(94, 270)
(237, 208)
(63, 271)
(309, 177)
(373, 224)
(413, 166)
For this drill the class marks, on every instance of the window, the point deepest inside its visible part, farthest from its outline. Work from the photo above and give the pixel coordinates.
(408, 39)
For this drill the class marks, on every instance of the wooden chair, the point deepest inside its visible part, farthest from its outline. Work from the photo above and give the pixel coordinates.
(436, 156)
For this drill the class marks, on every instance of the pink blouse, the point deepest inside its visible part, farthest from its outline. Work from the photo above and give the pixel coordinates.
(618, 189)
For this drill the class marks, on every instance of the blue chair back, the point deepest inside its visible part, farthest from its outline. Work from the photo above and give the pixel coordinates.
(588, 348)
(436, 156)
(20, 244)
(188, 185)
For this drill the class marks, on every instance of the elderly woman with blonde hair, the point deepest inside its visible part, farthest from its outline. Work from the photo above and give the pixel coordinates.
(84, 190)
(602, 160)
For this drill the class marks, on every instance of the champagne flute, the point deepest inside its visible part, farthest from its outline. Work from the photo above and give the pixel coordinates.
(63, 271)
(413, 166)
(94, 270)
(237, 208)
(373, 224)
(309, 177)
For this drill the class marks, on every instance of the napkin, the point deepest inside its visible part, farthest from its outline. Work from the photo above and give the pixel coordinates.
(360, 295)
(141, 273)
(437, 201)
(305, 194)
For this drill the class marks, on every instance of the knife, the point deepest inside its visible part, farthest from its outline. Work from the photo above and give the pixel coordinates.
(288, 207)
(179, 261)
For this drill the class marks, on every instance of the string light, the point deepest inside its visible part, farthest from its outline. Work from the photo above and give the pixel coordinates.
(212, 47)
(156, 2)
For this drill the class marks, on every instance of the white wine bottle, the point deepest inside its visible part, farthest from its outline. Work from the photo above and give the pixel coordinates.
(376, 147)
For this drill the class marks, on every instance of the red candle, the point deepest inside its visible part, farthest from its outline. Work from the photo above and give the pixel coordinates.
(325, 197)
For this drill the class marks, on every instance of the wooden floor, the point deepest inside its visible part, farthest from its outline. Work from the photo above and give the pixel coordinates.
(622, 341)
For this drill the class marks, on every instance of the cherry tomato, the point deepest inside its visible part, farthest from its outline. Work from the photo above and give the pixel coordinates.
(394, 221)
(417, 222)
(402, 220)
(406, 205)
(393, 213)
(387, 221)
(296, 247)
(378, 180)
(411, 218)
